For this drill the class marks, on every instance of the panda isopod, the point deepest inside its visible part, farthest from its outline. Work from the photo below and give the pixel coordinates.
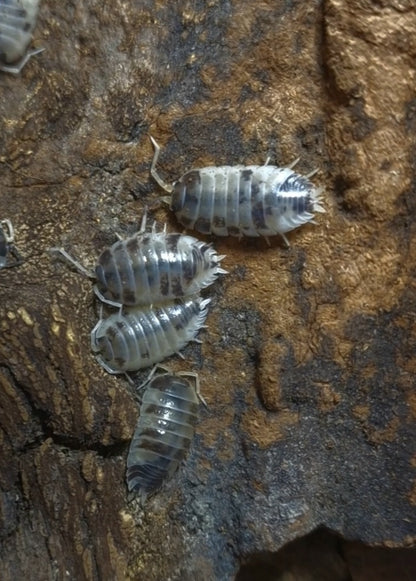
(241, 200)
(164, 431)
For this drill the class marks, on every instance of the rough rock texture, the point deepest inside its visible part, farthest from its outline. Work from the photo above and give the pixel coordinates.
(308, 364)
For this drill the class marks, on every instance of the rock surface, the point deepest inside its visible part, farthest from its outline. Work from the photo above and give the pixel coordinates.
(308, 364)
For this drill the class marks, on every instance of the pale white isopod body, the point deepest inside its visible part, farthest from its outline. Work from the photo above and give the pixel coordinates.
(163, 433)
(151, 268)
(242, 200)
(142, 336)
(156, 267)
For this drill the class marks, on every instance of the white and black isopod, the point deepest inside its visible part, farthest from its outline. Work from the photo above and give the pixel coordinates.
(152, 268)
(17, 21)
(164, 431)
(242, 200)
(9, 255)
(143, 336)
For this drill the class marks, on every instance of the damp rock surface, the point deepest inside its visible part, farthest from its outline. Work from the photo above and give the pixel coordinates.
(308, 362)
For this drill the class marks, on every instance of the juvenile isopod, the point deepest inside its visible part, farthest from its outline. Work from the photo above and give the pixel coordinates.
(17, 21)
(152, 268)
(242, 200)
(164, 431)
(9, 255)
(142, 336)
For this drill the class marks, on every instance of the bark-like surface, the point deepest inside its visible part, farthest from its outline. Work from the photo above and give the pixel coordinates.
(308, 363)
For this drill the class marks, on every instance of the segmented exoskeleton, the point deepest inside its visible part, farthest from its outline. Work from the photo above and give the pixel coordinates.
(152, 268)
(242, 200)
(142, 336)
(164, 431)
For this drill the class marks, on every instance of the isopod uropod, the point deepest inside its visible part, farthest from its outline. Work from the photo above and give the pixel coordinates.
(164, 431)
(242, 200)
(151, 268)
(7, 247)
(17, 21)
(142, 336)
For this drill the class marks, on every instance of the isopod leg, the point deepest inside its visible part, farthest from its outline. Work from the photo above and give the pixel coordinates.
(195, 376)
(153, 171)
(18, 260)
(72, 261)
(143, 224)
(292, 165)
(151, 375)
(107, 301)
(312, 173)
(16, 69)
(129, 379)
(285, 240)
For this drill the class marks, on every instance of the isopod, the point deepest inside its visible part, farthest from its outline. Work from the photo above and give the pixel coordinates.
(164, 431)
(151, 268)
(242, 200)
(9, 255)
(17, 21)
(142, 336)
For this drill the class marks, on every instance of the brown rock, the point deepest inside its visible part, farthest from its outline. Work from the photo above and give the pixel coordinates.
(308, 363)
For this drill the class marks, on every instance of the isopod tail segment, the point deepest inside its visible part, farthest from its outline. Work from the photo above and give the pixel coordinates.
(17, 68)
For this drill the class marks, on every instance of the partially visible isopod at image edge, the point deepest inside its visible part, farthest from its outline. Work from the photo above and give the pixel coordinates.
(164, 431)
(241, 200)
(9, 255)
(139, 337)
(17, 22)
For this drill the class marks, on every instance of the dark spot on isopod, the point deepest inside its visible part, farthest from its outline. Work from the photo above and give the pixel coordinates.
(186, 221)
(309, 204)
(203, 225)
(192, 200)
(219, 221)
(246, 174)
(180, 324)
(172, 242)
(176, 286)
(129, 297)
(189, 267)
(302, 202)
(234, 231)
(26, 27)
(164, 283)
(257, 215)
(192, 177)
(120, 362)
(106, 257)
(255, 190)
(132, 245)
